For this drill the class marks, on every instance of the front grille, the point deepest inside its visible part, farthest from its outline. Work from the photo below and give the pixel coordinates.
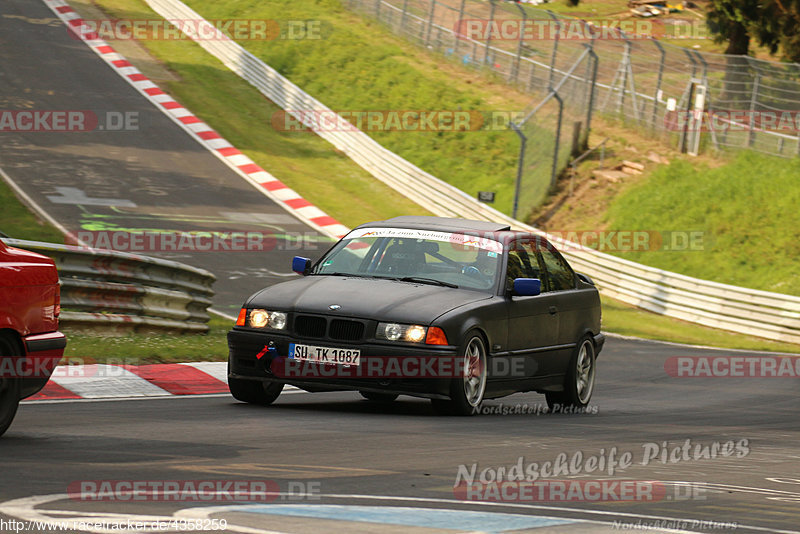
(343, 330)
(308, 326)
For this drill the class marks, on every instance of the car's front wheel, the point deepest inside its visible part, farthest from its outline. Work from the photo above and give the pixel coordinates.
(579, 381)
(466, 391)
(254, 391)
(9, 389)
(378, 397)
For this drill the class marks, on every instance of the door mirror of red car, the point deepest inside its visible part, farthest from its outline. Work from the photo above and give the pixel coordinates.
(527, 287)
(301, 265)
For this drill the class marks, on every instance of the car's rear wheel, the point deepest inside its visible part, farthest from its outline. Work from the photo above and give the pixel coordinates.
(579, 381)
(378, 397)
(254, 391)
(9, 388)
(466, 391)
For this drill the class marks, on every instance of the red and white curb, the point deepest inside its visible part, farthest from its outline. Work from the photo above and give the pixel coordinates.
(262, 180)
(103, 381)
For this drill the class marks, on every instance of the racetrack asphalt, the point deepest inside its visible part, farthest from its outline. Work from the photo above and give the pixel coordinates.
(350, 452)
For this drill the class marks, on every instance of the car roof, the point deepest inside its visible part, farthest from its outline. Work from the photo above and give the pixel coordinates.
(420, 222)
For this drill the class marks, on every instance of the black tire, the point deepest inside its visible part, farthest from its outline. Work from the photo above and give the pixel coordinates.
(579, 381)
(466, 393)
(378, 397)
(10, 387)
(254, 391)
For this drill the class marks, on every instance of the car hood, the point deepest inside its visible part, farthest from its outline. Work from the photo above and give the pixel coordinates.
(367, 298)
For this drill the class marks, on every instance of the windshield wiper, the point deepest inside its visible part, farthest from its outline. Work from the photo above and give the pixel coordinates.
(354, 275)
(426, 281)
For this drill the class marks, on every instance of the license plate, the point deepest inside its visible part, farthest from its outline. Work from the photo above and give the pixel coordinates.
(312, 353)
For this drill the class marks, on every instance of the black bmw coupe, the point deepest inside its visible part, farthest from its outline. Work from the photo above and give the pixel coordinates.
(453, 310)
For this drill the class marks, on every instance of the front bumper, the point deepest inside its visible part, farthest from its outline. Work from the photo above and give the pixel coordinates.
(422, 371)
(599, 341)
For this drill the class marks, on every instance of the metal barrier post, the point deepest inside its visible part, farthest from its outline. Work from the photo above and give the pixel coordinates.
(659, 79)
(459, 26)
(555, 50)
(430, 22)
(520, 164)
(554, 172)
(493, 5)
(515, 68)
(753, 99)
(707, 100)
(589, 109)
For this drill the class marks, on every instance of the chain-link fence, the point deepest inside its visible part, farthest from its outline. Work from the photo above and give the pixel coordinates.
(694, 100)
(553, 131)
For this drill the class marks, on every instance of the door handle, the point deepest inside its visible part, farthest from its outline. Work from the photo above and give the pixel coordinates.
(553, 310)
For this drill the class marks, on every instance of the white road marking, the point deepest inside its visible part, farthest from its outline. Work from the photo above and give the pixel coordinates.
(289, 390)
(73, 195)
(25, 509)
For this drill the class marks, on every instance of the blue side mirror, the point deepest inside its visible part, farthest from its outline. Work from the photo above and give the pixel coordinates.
(301, 265)
(527, 287)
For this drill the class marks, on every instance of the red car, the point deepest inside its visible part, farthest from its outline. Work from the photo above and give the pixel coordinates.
(30, 344)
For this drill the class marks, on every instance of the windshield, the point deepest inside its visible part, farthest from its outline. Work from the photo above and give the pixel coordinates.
(440, 258)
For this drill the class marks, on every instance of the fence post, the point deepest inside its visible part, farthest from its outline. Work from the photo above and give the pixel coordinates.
(626, 62)
(378, 10)
(459, 25)
(430, 22)
(520, 40)
(555, 49)
(590, 107)
(657, 95)
(707, 100)
(403, 16)
(686, 121)
(489, 33)
(554, 171)
(753, 100)
(520, 164)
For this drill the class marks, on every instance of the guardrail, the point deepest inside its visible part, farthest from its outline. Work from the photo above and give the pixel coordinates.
(109, 289)
(759, 313)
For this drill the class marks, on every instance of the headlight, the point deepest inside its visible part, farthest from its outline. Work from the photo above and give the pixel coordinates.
(401, 332)
(266, 319)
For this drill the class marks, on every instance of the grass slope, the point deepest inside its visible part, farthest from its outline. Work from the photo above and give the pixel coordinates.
(17, 221)
(747, 211)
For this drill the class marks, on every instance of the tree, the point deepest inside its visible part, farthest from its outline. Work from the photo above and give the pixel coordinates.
(729, 22)
(780, 28)
(774, 24)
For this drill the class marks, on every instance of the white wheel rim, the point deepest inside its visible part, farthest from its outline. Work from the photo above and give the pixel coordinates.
(584, 372)
(474, 372)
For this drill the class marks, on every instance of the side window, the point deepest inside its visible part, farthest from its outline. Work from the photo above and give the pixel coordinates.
(559, 274)
(522, 262)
